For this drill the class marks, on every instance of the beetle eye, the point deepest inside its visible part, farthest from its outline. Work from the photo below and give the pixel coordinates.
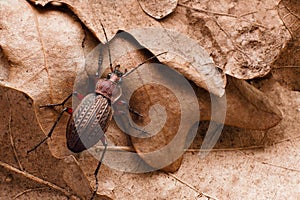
(108, 76)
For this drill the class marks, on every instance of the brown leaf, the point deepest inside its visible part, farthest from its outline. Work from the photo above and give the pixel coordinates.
(43, 58)
(237, 36)
(158, 9)
(249, 108)
(289, 12)
(246, 106)
(185, 56)
(286, 68)
(37, 45)
(156, 92)
(44, 50)
(17, 110)
(288, 76)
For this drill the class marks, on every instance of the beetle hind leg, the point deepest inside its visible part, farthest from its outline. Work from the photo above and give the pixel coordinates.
(98, 167)
(51, 130)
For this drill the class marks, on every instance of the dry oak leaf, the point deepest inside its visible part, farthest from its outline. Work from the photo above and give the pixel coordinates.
(37, 60)
(286, 68)
(54, 69)
(258, 112)
(144, 88)
(62, 174)
(68, 77)
(243, 37)
(289, 12)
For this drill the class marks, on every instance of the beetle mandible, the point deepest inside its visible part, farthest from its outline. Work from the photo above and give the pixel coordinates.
(83, 130)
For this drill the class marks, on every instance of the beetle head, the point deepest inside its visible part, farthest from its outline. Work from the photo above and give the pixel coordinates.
(116, 75)
(117, 71)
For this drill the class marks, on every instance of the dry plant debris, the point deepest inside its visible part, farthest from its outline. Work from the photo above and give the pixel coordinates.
(44, 48)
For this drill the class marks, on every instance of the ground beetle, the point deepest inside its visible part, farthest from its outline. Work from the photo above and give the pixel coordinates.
(83, 130)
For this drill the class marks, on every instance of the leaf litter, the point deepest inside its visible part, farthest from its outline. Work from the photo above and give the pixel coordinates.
(39, 67)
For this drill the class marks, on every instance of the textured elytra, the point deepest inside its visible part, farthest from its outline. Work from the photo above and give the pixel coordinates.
(88, 122)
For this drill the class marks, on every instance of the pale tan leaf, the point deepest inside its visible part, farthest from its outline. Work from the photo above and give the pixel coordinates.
(242, 38)
(37, 46)
(158, 9)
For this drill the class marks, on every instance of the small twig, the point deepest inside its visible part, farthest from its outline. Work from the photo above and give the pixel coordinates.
(130, 149)
(208, 11)
(200, 194)
(287, 139)
(11, 136)
(228, 149)
(270, 164)
(256, 24)
(248, 13)
(29, 190)
(34, 178)
(115, 148)
(253, 23)
(283, 67)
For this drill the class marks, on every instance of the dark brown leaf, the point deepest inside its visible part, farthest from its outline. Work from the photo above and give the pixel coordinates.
(289, 12)
(17, 111)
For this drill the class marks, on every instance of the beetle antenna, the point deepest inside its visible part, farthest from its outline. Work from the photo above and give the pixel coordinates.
(133, 69)
(109, 54)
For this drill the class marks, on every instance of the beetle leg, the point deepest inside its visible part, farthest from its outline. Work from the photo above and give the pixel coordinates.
(140, 130)
(51, 130)
(98, 167)
(135, 112)
(58, 104)
(125, 103)
(78, 95)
